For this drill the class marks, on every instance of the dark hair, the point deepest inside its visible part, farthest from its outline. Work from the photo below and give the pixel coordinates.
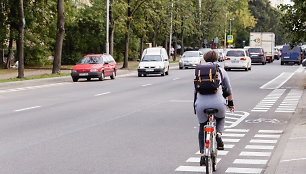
(211, 56)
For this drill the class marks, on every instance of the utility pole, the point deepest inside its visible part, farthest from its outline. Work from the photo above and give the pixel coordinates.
(171, 29)
(107, 27)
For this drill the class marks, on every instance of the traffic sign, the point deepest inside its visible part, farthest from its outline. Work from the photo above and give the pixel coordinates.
(230, 38)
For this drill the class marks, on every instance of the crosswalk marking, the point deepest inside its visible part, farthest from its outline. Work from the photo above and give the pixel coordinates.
(197, 160)
(263, 141)
(191, 168)
(244, 153)
(225, 140)
(290, 102)
(259, 147)
(265, 104)
(237, 130)
(220, 152)
(232, 135)
(243, 170)
(250, 161)
(266, 136)
(229, 146)
(271, 131)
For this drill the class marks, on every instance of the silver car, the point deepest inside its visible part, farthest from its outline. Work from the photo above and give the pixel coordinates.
(190, 59)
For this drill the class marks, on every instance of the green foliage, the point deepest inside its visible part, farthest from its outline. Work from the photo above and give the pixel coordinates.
(294, 21)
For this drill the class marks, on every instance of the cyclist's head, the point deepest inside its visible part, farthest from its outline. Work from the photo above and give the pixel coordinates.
(211, 56)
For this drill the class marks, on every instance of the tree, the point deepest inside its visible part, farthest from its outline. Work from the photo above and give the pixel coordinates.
(294, 21)
(20, 44)
(59, 37)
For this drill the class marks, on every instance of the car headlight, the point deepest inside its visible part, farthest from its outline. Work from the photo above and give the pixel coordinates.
(94, 70)
(181, 61)
(140, 67)
(74, 71)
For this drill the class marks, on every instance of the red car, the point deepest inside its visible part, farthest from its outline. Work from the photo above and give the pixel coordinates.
(95, 66)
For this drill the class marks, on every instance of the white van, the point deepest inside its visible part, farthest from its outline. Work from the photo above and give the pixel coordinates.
(154, 61)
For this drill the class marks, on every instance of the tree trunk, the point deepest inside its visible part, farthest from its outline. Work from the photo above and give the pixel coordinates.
(127, 37)
(182, 36)
(21, 41)
(154, 35)
(141, 46)
(59, 37)
(111, 29)
(10, 51)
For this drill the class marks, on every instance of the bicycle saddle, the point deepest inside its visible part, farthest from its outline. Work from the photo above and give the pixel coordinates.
(210, 111)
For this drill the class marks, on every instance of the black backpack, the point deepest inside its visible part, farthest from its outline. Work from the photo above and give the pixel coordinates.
(207, 78)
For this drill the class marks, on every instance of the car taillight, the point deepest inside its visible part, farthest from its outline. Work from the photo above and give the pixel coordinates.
(261, 53)
(298, 57)
(243, 58)
(268, 57)
(227, 58)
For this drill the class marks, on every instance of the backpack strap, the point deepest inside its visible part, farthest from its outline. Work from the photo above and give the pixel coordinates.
(194, 100)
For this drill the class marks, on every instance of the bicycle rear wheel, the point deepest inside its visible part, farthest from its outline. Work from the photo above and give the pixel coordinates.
(209, 165)
(214, 162)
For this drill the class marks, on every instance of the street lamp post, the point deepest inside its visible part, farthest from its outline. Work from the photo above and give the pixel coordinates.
(171, 29)
(231, 26)
(107, 27)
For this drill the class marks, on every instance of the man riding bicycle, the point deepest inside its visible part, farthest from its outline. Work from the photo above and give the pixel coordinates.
(214, 100)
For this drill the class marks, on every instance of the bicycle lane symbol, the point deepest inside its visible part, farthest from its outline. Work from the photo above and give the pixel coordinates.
(265, 120)
(232, 119)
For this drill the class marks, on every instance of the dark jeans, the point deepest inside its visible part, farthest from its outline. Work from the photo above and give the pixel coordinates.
(201, 133)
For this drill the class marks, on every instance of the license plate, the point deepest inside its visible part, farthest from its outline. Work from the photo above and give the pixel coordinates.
(83, 74)
(286, 57)
(235, 61)
(149, 69)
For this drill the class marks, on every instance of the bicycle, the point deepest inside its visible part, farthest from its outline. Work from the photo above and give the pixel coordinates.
(210, 144)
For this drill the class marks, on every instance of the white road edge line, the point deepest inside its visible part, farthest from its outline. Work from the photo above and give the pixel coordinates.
(102, 94)
(24, 109)
(297, 159)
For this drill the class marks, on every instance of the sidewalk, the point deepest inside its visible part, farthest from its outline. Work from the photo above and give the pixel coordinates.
(291, 153)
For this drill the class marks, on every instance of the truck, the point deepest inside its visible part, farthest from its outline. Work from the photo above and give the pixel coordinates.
(265, 40)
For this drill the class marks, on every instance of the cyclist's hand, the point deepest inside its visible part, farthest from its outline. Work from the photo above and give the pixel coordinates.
(232, 108)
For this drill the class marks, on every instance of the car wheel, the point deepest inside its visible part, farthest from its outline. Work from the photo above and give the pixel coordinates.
(102, 77)
(181, 67)
(246, 69)
(75, 79)
(163, 73)
(282, 63)
(145, 75)
(88, 78)
(167, 73)
(299, 63)
(139, 74)
(263, 63)
(113, 76)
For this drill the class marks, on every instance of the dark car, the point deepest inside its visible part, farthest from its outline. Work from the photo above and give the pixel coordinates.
(257, 55)
(291, 55)
(94, 66)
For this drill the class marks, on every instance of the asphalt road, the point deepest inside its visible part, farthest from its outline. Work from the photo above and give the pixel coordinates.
(140, 124)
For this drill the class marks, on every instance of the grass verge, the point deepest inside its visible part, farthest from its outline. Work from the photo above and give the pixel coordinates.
(35, 77)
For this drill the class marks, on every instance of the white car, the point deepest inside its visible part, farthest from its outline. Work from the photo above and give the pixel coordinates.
(190, 59)
(237, 59)
(154, 61)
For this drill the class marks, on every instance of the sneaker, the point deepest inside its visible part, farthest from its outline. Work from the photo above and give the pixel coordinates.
(220, 144)
(202, 161)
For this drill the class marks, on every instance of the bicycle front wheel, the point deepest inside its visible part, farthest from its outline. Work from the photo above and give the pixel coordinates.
(209, 165)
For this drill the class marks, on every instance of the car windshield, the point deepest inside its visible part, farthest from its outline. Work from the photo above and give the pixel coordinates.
(235, 53)
(90, 60)
(255, 50)
(204, 50)
(190, 54)
(151, 58)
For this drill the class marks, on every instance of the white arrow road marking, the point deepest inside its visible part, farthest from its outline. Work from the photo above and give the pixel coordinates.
(24, 109)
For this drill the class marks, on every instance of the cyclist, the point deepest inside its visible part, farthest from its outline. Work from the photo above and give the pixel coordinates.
(213, 101)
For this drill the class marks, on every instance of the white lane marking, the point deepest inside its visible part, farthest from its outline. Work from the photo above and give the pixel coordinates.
(254, 110)
(34, 87)
(243, 170)
(243, 153)
(181, 101)
(146, 85)
(197, 160)
(105, 93)
(24, 109)
(290, 102)
(232, 135)
(265, 104)
(297, 159)
(271, 131)
(278, 81)
(263, 141)
(284, 111)
(241, 114)
(230, 140)
(191, 169)
(266, 136)
(295, 138)
(229, 146)
(250, 161)
(233, 118)
(220, 152)
(176, 78)
(259, 147)
(237, 130)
